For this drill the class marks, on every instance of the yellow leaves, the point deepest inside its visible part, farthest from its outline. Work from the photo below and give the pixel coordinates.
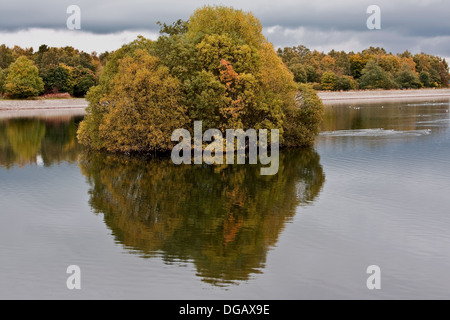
(23, 80)
(222, 69)
(225, 20)
(144, 106)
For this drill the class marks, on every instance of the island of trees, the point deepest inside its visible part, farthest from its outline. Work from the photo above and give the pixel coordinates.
(217, 67)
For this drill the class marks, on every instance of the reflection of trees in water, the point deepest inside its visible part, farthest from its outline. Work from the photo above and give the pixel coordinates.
(22, 140)
(25, 139)
(223, 218)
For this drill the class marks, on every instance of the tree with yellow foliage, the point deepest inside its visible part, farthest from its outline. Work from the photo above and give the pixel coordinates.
(23, 80)
(216, 67)
(143, 109)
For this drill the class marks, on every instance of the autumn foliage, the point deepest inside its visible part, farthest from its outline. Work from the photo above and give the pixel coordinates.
(372, 68)
(142, 110)
(23, 79)
(62, 70)
(216, 67)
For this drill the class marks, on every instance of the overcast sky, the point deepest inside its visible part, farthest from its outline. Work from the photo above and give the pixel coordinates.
(416, 25)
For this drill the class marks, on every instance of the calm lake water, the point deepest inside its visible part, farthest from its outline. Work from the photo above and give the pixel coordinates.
(374, 191)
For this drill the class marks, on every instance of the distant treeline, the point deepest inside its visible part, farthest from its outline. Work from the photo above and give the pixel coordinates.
(372, 68)
(25, 73)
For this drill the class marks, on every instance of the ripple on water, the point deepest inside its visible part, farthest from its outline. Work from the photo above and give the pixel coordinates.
(375, 133)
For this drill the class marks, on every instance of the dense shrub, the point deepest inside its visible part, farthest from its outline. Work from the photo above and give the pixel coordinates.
(143, 107)
(23, 80)
(374, 77)
(304, 118)
(407, 78)
(328, 81)
(345, 83)
(57, 78)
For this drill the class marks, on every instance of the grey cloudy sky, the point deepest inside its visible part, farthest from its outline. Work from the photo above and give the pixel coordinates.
(416, 25)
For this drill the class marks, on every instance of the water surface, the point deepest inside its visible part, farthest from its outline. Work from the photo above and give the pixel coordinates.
(373, 191)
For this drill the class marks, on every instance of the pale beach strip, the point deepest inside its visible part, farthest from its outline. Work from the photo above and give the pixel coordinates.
(374, 96)
(45, 108)
(53, 104)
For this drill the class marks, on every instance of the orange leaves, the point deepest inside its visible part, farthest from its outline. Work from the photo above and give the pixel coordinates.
(227, 74)
(233, 97)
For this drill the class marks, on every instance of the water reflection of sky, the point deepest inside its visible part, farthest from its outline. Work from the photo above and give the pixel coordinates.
(384, 201)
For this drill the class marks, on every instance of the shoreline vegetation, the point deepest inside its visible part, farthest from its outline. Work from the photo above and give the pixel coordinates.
(217, 67)
(327, 97)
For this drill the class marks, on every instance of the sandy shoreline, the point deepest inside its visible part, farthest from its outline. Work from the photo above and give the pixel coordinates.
(50, 104)
(332, 97)
(42, 108)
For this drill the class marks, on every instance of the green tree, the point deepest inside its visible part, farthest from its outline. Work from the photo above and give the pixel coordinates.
(6, 56)
(83, 79)
(443, 73)
(328, 81)
(299, 72)
(3, 74)
(424, 77)
(23, 80)
(345, 83)
(57, 79)
(374, 77)
(407, 78)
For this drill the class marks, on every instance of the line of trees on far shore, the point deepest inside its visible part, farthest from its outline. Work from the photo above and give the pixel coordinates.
(372, 68)
(25, 73)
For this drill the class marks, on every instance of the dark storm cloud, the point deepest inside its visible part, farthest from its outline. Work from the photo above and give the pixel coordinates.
(416, 17)
(405, 23)
(97, 16)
